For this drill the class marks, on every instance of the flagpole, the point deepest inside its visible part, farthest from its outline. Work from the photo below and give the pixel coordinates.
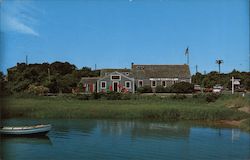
(187, 54)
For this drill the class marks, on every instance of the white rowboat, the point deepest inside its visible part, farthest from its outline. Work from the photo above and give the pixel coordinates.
(26, 130)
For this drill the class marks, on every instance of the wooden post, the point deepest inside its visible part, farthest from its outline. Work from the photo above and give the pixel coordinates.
(232, 85)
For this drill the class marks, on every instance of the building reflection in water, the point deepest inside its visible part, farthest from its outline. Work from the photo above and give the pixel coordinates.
(139, 129)
(235, 134)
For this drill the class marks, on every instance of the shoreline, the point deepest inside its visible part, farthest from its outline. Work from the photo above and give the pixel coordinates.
(143, 108)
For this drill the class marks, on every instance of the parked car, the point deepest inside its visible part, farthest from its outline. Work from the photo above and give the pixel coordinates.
(217, 89)
(197, 88)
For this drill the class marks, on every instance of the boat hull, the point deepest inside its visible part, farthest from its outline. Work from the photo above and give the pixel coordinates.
(25, 131)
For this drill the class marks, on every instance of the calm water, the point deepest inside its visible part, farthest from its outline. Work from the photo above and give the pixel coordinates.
(112, 139)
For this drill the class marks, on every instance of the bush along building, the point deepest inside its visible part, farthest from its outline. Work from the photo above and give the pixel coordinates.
(129, 80)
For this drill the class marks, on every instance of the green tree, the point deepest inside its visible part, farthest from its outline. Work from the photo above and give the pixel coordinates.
(197, 78)
(2, 83)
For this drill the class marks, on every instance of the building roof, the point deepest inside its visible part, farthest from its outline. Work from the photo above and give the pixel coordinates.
(104, 72)
(160, 71)
(117, 73)
(89, 79)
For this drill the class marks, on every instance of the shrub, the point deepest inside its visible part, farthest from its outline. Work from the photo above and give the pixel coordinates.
(96, 95)
(161, 89)
(113, 96)
(247, 84)
(182, 87)
(37, 90)
(145, 89)
(126, 96)
(212, 97)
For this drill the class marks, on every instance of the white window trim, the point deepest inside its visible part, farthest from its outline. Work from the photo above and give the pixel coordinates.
(129, 84)
(105, 84)
(152, 83)
(115, 79)
(163, 79)
(139, 83)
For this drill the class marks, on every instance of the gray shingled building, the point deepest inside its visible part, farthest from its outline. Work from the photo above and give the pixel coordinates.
(127, 80)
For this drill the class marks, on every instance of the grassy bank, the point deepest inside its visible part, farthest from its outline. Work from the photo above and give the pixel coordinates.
(150, 107)
(245, 124)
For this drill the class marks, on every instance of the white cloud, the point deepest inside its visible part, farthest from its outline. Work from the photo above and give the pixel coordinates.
(18, 26)
(19, 16)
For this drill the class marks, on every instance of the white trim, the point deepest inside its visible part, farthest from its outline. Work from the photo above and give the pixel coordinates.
(152, 83)
(97, 86)
(105, 84)
(139, 83)
(133, 85)
(129, 84)
(118, 89)
(163, 79)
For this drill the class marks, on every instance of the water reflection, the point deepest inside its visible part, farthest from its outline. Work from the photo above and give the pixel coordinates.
(235, 135)
(139, 129)
(117, 139)
(34, 140)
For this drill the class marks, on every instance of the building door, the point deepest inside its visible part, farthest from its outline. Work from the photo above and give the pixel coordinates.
(115, 87)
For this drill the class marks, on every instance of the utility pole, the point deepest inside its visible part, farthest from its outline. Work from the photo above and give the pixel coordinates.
(196, 68)
(219, 62)
(26, 60)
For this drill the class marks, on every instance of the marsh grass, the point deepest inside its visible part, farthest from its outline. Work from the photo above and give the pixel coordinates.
(140, 107)
(245, 124)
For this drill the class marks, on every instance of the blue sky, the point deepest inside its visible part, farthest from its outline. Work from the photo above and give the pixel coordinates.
(114, 33)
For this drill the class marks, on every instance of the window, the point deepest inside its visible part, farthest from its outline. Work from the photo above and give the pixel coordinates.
(103, 84)
(140, 83)
(163, 83)
(140, 67)
(115, 77)
(128, 84)
(127, 74)
(153, 83)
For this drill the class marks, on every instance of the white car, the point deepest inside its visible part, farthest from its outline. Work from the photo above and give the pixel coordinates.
(217, 89)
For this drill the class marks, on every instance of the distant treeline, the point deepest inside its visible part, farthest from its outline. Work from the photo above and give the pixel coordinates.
(54, 78)
(211, 79)
(63, 77)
